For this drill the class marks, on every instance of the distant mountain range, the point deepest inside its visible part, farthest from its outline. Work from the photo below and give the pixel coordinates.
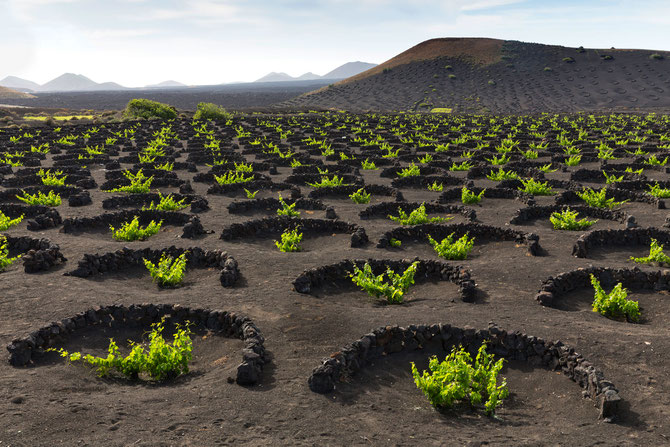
(341, 72)
(70, 82)
(167, 84)
(19, 84)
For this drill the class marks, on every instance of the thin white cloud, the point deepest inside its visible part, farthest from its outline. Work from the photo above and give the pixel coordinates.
(219, 11)
(118, 33)
(29, 3)
(487, 4)
(26, 10)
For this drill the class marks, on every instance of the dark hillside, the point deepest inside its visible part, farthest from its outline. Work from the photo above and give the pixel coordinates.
(487, 75)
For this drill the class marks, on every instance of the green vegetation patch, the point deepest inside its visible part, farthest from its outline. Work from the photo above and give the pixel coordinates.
(51, 199)
(139, 183)
(393, 288)
(167, 203)
(168, 272)
(160, 360)
(59, 117)
(452, 250)
(146, 108)
(536, 188)
(360, 196)
(132, 231)
(290, 241)
(459, 379)
(209, 111)
(286, 209)
(416, 217)
(5, 260)
(615, 303)
(7, 222)
(470, 198)
(567, 220)
(598, 199)
(656, 255)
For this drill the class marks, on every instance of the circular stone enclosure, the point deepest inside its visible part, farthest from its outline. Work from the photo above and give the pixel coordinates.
(28, 350)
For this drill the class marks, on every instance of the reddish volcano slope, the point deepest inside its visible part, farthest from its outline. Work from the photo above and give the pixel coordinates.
(8, 93)
(488, 75)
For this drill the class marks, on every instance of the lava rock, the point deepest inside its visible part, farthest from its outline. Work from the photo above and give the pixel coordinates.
(609, 405)
(193, 228)
(330, 213)
(186, 188)
(81, 199)
(321, 381)
(248, 373)
(199, 205)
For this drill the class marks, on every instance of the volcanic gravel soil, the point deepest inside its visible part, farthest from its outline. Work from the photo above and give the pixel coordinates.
(50, 402)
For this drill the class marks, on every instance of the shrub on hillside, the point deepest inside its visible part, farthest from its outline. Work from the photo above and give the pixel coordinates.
(145, 108)
(209, 111)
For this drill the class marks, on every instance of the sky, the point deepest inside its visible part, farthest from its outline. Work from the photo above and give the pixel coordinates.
(204, 42)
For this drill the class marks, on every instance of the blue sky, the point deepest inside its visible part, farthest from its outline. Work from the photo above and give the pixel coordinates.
(139, 42)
